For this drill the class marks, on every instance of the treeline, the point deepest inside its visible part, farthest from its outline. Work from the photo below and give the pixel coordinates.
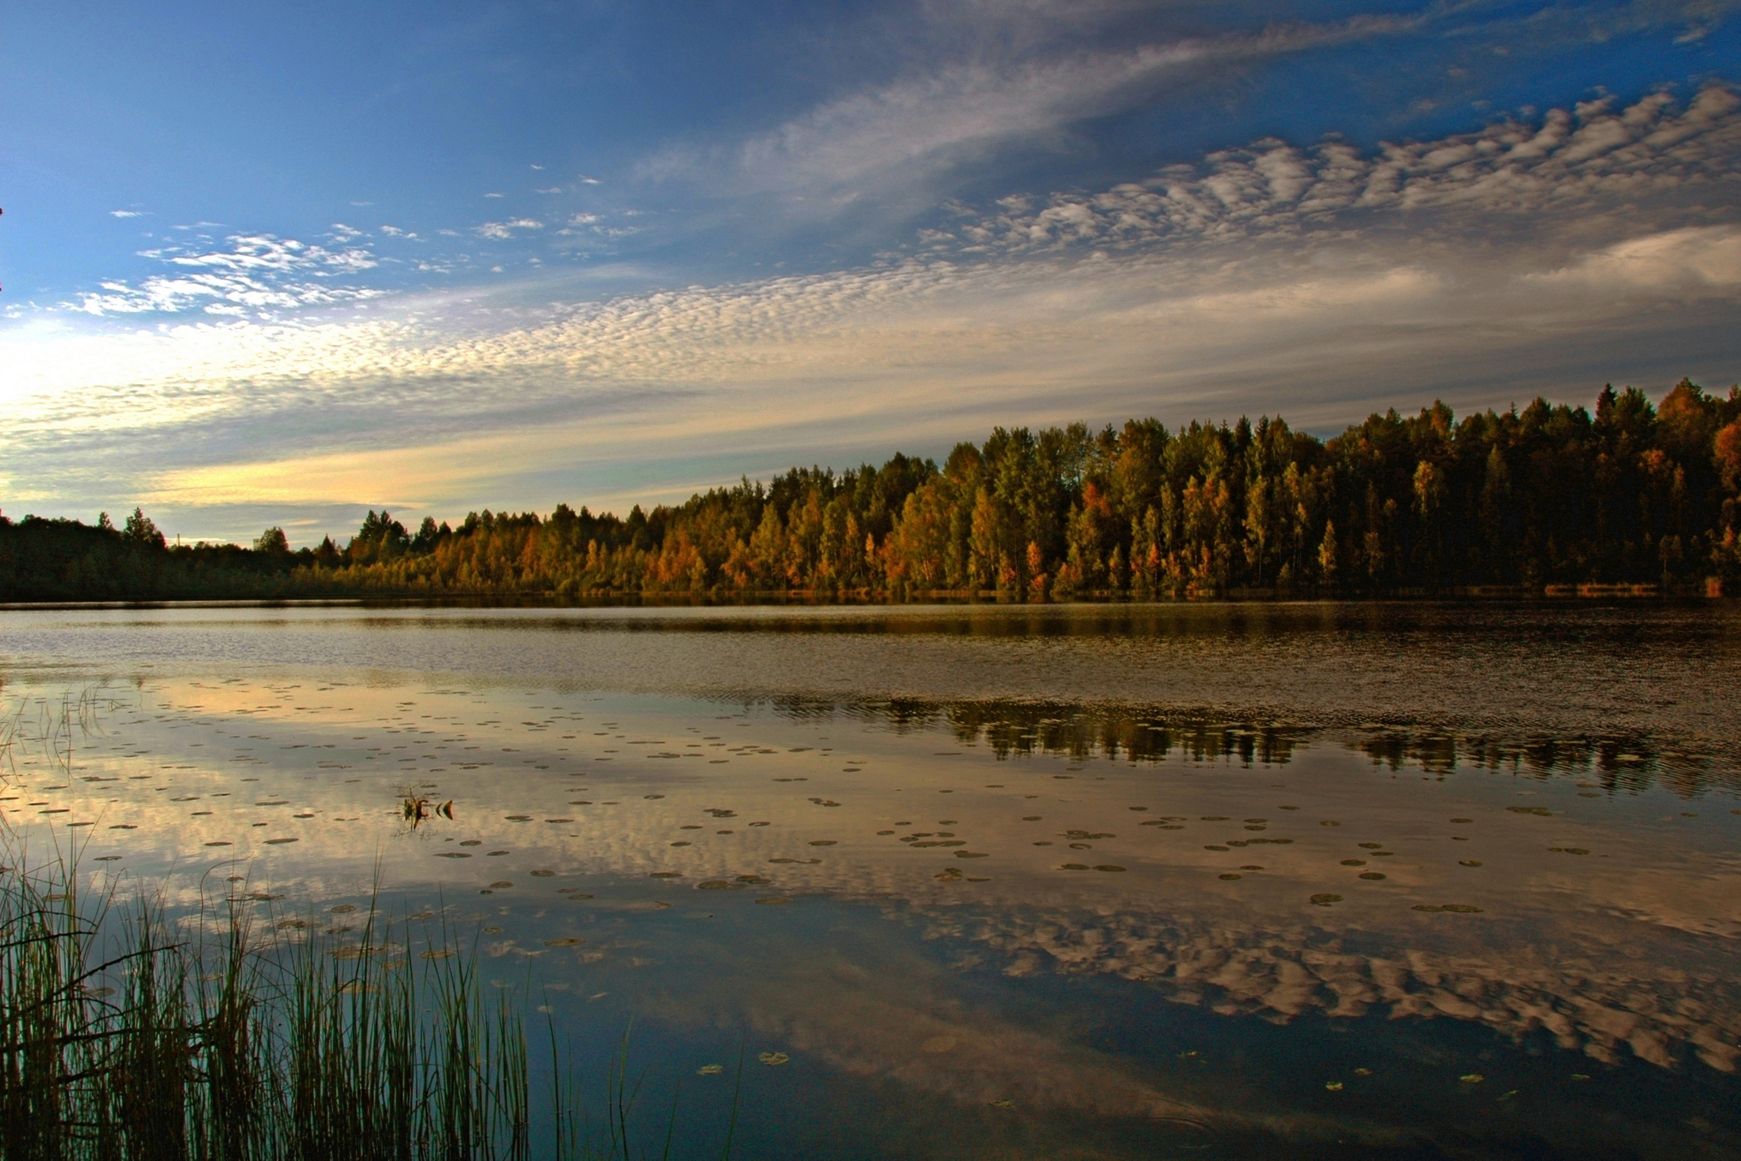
(66, 560)
(1628, 494)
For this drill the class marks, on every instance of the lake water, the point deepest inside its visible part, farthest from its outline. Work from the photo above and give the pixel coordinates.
(1060, 881)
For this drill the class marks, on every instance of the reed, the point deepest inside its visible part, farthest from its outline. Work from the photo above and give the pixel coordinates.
(208, 1041)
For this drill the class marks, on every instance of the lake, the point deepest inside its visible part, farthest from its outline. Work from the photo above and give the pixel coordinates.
(1091, 881)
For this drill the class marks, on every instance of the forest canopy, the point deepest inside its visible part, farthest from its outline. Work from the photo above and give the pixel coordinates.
(1630, 493)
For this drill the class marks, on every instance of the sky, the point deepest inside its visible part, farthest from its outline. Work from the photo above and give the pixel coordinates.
(279, 267)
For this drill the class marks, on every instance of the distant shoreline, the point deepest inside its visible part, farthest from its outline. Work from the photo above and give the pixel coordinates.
(1634, 500)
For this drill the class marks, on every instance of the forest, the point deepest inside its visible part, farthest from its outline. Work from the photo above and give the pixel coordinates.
(1549, 499)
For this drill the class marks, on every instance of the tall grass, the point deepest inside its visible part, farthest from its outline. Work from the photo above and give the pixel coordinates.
(179, 1044)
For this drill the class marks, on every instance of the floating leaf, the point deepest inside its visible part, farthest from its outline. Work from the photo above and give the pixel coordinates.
(710, 1070)
(773, 1059)
(1471, 1078)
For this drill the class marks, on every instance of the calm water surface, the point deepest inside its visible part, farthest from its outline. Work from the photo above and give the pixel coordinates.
(1223, 881)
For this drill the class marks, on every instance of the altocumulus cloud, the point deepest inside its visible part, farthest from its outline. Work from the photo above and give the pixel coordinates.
(253, 273)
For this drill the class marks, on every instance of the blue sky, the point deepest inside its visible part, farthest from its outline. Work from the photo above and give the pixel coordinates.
(283, 266)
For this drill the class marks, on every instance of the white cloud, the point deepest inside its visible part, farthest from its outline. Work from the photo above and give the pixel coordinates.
(126, 213)
(501, 231)
(1510, 172)
(256, 273)
(895, 133)
(1689, 261)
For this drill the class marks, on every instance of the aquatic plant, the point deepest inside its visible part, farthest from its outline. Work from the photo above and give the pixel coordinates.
(177, 1043)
